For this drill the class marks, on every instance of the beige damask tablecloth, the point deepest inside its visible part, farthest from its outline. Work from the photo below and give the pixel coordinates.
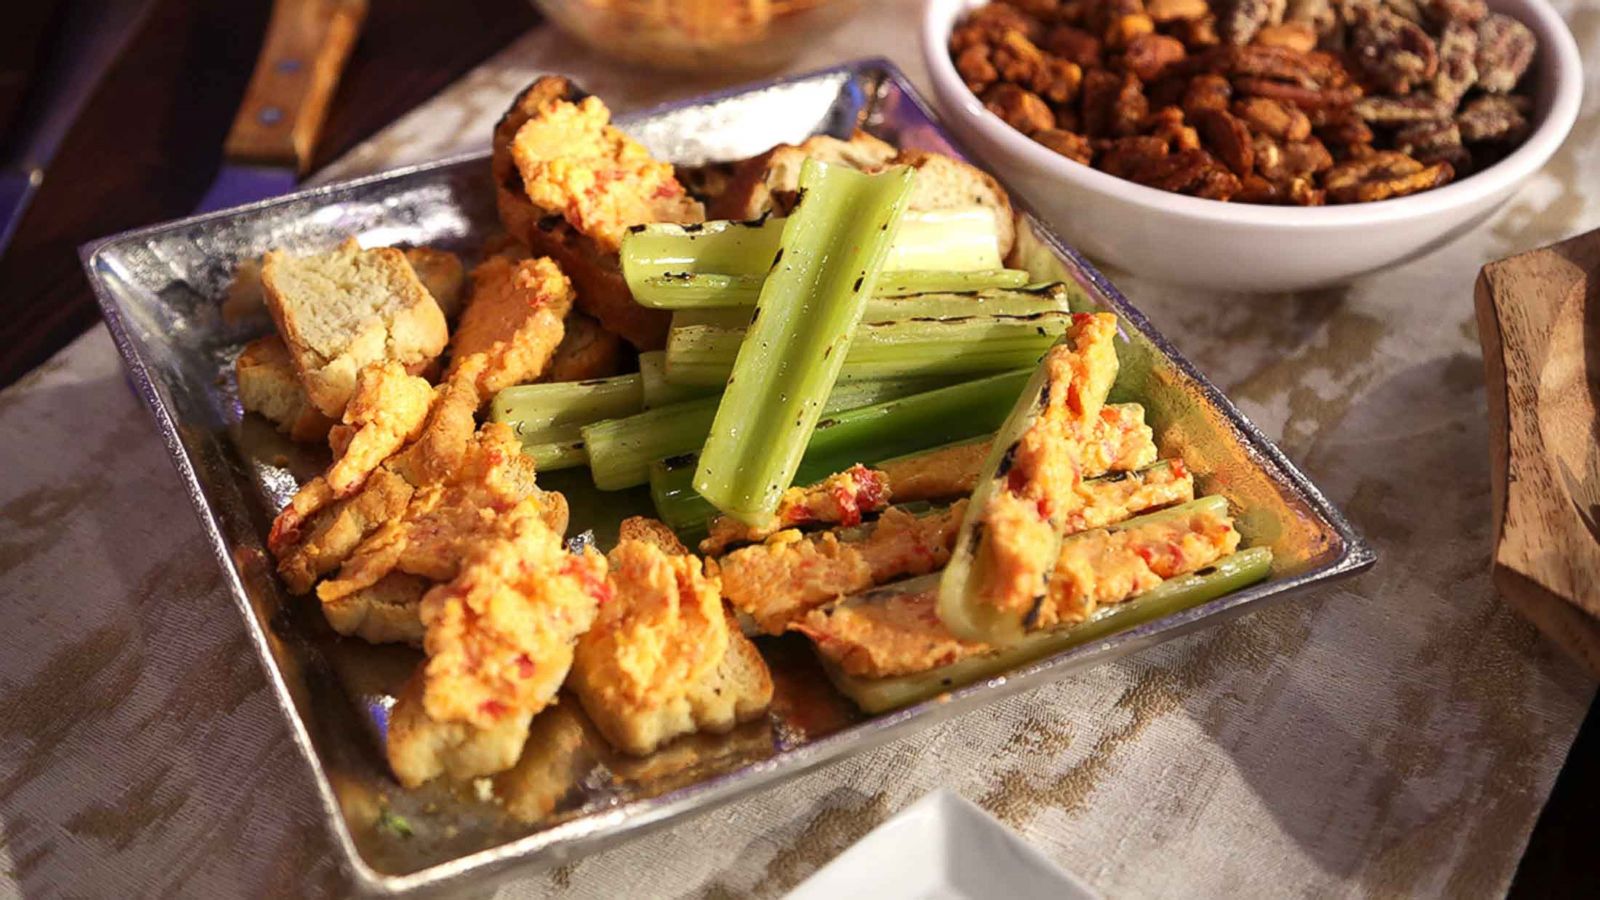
(1395, 734)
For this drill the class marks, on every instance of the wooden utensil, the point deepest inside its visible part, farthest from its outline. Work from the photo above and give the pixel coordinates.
(1539, 321)
(270, 144)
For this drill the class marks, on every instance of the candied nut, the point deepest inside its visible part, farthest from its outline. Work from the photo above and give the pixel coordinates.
(1319, 14)
(1341, 128)
(1016, 58)
(1125, 28)
(1294, 192)
(1020, 108)
(1494, 117)
(1126, 157)
(1384, 174)
(1297, 36)
(1164, 11)
(1069, 144)
(1044, 10)
(1281, 120)
(1309, 70)
(1197, 33)
(1406, 9)
(1505, 48)
(1401, 110)
(1067, 119)
(1058, 80)
(1393, 53)
(988, 24)
(1228, 138)
(1074, 45)
(1458, 69)
(1206, 91)
(1243, 18)
(1304, 158)
(975, 68)
(1149, 54)
(1113, 105)
(1193, 172)
(1466, 12)
(1429, 142)
(1167, 123)
(1307, 98)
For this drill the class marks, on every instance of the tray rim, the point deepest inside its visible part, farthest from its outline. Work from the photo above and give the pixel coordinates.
(596, 831)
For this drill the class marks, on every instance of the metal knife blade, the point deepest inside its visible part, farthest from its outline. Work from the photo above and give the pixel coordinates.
(16, 189)
(239, 183)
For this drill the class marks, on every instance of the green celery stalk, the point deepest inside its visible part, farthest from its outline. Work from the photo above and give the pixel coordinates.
(705, 354)
(865, 435)
(529, 408)
(724, 263)
(560, 447)
(1226, 575)
(657, 390)
(619, 451)
(828, 260)
(924, 281)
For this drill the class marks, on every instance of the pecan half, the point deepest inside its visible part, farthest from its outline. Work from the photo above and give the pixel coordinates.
(1393, 53)
(1401, 110)
(1241, 19)
(1319, 14)
(1228, 138)
(1168, 124)
(1307, 98)
(1466, 12)
(1494, 117)
(1458, 68)
(1275, 118)
(1384, 174)
(1430, 142)
(975, 68)
(1505, 49)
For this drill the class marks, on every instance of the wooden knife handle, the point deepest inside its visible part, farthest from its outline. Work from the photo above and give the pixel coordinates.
(1539, 321)
(301, 59)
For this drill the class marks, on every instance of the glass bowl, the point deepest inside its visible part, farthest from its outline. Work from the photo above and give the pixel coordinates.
(700, 35)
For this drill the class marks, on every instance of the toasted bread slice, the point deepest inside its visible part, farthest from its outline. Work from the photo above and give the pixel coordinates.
(586, 351)
(269, 386)
(421, 748)
(565, 217)
(442, 273)
(384, 613)
(339, 311)
(769, 183)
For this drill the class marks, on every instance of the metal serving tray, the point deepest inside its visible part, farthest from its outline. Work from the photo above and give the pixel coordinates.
(161, 290)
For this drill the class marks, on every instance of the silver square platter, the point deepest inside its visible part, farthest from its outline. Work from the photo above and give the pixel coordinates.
(161, 289)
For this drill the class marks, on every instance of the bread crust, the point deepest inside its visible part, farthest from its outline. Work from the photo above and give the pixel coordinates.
(339, 311)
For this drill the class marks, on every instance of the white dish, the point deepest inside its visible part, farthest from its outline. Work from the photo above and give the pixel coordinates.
(942, 846)
(1251, 247)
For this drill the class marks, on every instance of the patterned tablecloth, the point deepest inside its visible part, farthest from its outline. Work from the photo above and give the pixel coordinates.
(1395, 734)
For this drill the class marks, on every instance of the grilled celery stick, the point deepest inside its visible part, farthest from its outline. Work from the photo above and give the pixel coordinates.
(658, 391)
(926, 281)
(620, 450)
(965, 605)
(1052, 297)
(1226, 575)
(560, 447)
(828, 260)
(531, 408)
(704, 354)
(862, 435)
(724, 263)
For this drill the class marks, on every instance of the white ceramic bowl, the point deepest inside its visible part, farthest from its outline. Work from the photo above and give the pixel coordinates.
(1242, 246)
